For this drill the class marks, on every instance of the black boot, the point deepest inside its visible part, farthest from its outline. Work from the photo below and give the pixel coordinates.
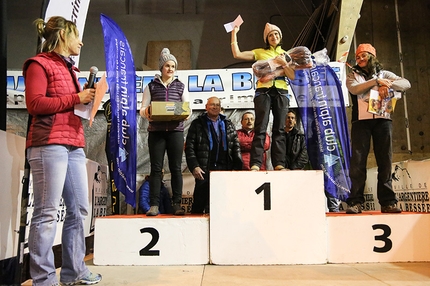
(177, 209)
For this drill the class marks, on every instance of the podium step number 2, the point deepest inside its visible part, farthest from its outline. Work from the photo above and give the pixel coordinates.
(139, 240)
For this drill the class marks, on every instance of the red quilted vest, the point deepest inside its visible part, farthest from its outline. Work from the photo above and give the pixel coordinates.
(62, 127)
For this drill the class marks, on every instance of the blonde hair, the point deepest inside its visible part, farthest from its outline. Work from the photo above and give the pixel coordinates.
(50, 31)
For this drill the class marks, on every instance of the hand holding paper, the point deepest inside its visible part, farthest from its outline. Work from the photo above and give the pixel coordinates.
(236, 23)
(102, 87)
(88, 111)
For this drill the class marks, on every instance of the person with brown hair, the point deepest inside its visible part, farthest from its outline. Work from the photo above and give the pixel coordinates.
(55, 151)
(366, 76)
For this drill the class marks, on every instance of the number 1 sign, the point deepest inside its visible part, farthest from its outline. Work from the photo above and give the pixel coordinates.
(269, 217)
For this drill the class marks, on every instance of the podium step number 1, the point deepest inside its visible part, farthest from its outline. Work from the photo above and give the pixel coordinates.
(267, 218)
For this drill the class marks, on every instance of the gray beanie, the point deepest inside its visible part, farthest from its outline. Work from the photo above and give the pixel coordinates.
(166, 56)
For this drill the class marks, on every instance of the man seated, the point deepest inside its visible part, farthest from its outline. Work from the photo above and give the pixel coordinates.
(246, 135)
(165, 206)
(296, 153)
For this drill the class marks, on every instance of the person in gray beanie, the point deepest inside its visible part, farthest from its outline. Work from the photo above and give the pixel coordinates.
(166, 56)
(165, 136)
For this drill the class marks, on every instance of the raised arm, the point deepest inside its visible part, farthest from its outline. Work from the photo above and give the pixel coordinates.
(237, 54)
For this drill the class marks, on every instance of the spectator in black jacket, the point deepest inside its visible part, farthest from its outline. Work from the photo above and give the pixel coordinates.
(296, 153)
(211, 145)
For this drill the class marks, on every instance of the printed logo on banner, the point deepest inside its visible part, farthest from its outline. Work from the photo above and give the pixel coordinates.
(410, 180)
(410, 183)
(99, 195)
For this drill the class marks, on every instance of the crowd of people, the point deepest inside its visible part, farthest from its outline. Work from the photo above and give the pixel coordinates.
(213, 144)
(55, 140)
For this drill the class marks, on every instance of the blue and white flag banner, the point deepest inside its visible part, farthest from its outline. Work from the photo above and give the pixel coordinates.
(75, 11)
(321, 105)
(121, 77)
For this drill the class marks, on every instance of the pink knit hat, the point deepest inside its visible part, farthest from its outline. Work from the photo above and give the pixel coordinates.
(365, 48)
(269, 28)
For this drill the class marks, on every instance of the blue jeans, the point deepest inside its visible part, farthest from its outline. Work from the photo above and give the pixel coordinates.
(160, 142)
(362, 131)
(264, 100)
(58, 171)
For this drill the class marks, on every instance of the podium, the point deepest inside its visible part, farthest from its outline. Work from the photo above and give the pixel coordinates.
(377, 237)
(272, 217)
(263, 218)
(160, 240)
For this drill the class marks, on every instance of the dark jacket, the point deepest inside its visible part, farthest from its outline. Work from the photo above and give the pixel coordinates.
(296, 153)
(159, 92)
(197, 146)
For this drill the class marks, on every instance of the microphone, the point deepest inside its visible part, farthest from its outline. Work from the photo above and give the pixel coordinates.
(92, 77)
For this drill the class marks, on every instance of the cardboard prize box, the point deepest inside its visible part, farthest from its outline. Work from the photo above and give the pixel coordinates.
(169, 110)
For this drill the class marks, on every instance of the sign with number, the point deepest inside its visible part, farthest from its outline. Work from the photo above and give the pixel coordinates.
(272, 217)
(377, 237)
(140, 240)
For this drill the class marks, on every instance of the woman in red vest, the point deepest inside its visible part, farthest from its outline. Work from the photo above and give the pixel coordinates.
(55, 143)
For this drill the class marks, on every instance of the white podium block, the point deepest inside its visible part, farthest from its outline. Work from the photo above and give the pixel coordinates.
(272, 217)
(376, 237)
(160, 240)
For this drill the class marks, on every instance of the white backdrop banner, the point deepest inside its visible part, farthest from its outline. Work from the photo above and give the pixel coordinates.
(74, 10)
(235, 87)
(411, 181)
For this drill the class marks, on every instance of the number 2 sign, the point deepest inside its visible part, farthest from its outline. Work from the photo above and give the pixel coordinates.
(163, 240)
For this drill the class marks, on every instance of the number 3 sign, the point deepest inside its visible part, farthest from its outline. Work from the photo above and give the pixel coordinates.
(377, 237)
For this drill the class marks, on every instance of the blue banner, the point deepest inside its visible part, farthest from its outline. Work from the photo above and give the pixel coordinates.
(321, 105)
(121, 77)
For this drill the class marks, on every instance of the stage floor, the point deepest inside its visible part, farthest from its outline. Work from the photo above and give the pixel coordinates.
(413, 273)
